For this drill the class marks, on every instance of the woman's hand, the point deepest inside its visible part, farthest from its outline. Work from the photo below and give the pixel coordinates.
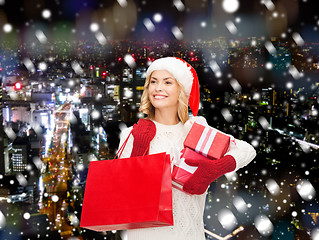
(143, 133)
(207, 172)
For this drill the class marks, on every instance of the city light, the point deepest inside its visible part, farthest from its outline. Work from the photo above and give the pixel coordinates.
(17, 86)
(72, 77)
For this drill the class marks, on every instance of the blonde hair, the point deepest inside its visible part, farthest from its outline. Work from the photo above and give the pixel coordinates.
(148, 109)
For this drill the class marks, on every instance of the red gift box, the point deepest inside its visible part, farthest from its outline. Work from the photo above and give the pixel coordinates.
(183, 172)
(207, 141)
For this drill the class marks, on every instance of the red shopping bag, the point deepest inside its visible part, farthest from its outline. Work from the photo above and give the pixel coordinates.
(128, 193)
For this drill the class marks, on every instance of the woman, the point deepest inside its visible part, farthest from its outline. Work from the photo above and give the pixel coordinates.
(171, 84)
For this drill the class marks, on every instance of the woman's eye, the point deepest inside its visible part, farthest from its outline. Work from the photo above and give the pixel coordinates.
(153, 81)
(168, 83)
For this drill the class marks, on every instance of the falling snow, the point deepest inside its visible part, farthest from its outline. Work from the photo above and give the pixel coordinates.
(258, 68)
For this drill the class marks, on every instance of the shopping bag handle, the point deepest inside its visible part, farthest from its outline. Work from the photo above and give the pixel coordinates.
(120, 151)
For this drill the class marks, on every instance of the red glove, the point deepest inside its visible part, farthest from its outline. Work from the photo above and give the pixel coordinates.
(143, 133)
(207, 172)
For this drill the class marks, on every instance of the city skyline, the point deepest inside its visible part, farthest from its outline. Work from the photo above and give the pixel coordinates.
(72, 73)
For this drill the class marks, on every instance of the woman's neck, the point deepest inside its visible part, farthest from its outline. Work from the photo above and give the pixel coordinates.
(166, 117)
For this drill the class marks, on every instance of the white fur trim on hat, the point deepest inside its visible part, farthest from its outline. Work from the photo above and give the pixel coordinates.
(179, 69)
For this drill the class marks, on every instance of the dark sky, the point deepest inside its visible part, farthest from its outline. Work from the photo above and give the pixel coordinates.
(20, 11)
(302, 13)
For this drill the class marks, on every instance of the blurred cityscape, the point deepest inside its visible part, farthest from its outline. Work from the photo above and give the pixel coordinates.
(64, 105)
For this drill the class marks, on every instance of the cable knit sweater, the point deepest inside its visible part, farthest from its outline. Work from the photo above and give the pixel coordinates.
(188, 209)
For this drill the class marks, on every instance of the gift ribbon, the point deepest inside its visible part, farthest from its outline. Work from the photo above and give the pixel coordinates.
(205, 141)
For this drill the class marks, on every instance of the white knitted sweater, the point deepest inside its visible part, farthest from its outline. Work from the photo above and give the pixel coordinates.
(188, 210)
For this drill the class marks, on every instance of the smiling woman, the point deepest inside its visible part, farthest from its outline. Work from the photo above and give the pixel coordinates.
(168, 74)
(171, 84)
(163, 94)
(163, 89)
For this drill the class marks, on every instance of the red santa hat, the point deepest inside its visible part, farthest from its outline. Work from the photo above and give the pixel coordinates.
(184, 73)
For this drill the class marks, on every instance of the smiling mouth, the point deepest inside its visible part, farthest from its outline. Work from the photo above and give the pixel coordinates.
(158, 97)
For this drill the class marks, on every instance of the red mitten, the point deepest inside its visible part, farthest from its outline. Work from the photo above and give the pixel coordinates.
(143, 133)
(207, 172)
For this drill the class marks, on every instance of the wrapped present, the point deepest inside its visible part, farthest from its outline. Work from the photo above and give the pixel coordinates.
(181, 171)
(207, 141)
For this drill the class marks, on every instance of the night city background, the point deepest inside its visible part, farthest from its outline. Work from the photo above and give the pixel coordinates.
(72, 74)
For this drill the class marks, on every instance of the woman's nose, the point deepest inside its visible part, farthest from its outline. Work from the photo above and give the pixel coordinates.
(159, 87)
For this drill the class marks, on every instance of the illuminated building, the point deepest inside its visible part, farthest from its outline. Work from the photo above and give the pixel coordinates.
(2, 167)
(18, 162)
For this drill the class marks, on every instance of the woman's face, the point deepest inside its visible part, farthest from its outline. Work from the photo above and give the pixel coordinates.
(163, 90)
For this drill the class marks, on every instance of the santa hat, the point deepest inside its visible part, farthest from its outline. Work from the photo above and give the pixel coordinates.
(184, 73)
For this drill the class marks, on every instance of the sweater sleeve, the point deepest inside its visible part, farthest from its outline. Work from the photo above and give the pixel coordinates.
(129, 145)
(242, 152)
